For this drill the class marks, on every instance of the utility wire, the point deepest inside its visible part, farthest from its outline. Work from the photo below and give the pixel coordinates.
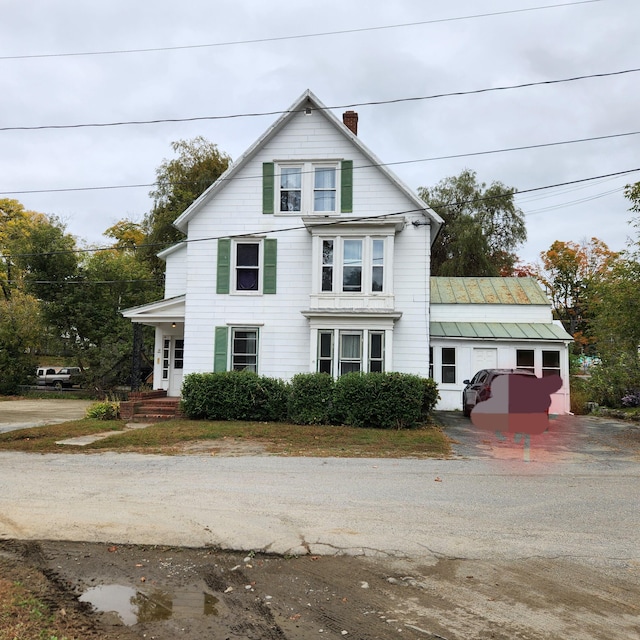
(382, 164)
(284, 38)
(331, 223)
(342, 106)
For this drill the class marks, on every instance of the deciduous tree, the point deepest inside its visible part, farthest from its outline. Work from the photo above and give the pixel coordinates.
(569, 272)
(178, 183)
(483, 227)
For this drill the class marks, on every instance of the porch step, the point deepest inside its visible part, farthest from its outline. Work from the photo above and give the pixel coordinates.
(152, 407)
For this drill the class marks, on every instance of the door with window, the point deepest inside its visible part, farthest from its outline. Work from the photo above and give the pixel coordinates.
(172, 364)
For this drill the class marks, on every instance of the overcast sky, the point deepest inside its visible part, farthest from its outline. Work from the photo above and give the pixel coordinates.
(454, 52)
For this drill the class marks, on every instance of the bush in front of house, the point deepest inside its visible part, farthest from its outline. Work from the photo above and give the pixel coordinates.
(106, 410)
(376, 400)
(383, 400)
(311, 398)
(234, 395)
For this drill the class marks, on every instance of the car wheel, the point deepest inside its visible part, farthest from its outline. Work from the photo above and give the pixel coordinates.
(57, 386)
(466, 410)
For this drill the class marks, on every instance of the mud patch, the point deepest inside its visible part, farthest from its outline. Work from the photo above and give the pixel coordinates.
(258, 596)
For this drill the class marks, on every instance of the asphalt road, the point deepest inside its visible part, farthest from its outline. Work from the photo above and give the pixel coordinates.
(569, 496)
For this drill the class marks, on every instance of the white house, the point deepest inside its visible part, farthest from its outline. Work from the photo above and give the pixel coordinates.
(309, 254)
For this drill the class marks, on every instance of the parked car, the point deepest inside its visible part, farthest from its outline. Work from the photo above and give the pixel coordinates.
(58, 378)
(478, 389)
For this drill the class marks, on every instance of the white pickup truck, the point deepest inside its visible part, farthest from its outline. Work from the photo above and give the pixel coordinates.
(58, 378)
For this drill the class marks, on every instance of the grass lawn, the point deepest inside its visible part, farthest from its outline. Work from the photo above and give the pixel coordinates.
(184, 436)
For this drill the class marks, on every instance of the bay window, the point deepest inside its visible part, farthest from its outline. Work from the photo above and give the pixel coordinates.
(352, 265)
(347, 351)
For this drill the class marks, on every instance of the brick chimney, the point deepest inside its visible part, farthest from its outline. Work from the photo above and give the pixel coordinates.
(350, 119)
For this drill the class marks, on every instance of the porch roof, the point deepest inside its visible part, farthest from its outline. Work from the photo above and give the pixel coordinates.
(499, 331)
(167, 310)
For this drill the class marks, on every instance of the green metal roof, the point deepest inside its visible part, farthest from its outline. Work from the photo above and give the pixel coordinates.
(499, 330)
(487, 291)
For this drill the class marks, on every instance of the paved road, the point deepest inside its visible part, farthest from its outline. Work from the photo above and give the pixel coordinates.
(460, 508)
(576, 493)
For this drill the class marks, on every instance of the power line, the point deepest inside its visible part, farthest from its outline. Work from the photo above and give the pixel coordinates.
(342, 106)
(366, 166)
(331, 223)
(291, 37)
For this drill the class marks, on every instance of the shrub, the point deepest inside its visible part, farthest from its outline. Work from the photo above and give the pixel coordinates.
(383, 400)
(106, 410)
(611, 381)
(234, 395)
(311, 398)
(579, 396)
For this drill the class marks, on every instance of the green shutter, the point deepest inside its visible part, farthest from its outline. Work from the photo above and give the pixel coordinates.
(346, 187)
(268, 187)
(270, 266)
(220, 349)
(224, 265)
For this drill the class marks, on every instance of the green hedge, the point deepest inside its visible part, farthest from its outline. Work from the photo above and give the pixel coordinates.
(383, 400)
(377, 400)
(234, 395)
(311, 398)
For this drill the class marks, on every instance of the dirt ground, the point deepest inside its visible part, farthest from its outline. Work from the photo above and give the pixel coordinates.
(165, 593)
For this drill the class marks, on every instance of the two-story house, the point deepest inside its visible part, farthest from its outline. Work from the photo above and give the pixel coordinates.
(308, 254)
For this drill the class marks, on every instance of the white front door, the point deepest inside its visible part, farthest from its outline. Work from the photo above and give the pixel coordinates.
(172, 364)
(484, 359)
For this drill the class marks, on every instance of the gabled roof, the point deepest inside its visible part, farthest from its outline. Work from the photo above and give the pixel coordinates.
(167, 310)
(487, 291)
(305, 100)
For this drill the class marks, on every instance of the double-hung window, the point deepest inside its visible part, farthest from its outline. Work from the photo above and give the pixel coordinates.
(324, 189)
(525, 360)
(247, 266)
(448, 367)
(352, 265)
(290, 189)
(550, 363)
(244, 350)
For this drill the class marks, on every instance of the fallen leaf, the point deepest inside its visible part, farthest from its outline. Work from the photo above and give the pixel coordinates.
(143, 579)
(139, 564)
(112, 549)
(438, 479)
(228, 590)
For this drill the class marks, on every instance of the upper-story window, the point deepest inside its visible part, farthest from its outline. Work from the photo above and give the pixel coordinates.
(290, 189)
(247, 266)
(353, 265)
(324, 189)
(307, 187)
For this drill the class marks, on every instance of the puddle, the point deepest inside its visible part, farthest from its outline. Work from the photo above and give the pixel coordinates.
(133, 606)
